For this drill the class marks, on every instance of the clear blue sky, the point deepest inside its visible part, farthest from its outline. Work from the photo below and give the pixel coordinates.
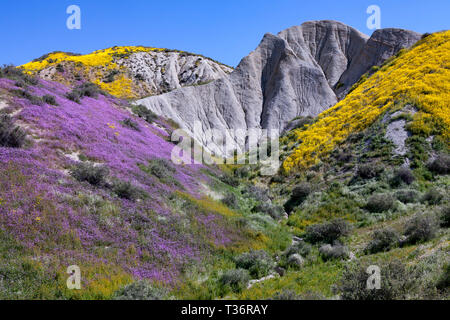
(225, 30)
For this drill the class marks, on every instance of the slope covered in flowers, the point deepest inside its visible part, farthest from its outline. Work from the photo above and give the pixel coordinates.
(419, 76)
(128, 72)
(49, 220)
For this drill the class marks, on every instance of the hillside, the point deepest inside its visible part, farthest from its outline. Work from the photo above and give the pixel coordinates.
(89, 183)
(294, 73)
(86, 177)
(367, 183)
(418, 78)
(129, 72)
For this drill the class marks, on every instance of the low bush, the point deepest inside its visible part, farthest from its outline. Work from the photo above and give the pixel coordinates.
(231, 200)
(333, 252)
(144, 113)
(380, 203)
(432, 196)
(383, 240)
(396, 282)
(301, 191)
(369, 171)
(140, 290)
(87, 89)
(13, 73)
(420, 228)
(160, 168)
(344, 156)
(111, 76)
(257, 193)
(327, 232)
(299, 194)
(234, 280)
(49, 99)
(407, 196)
(286, 294)
(440, 165)
(445, 217)
(126, 190)
(302, 248)
(95, 175)
(403, 175)
(60, 68)
(276, 212)
(35, 100)
(128, 122)
(229, 179)
(295, 261)
(443, 282)
(257, 262)
(11, 136)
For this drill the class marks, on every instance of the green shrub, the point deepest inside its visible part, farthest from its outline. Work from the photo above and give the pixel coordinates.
(11, 136)
(302, 248)
(344, 156)
(37, 101)
(276, 212)
(333, 252)
(235, 280)
(445, 217)
(420, 228)
(369, 171)
(229, 179)
(95, 175)
(443, 282)
(128, 122)
(299, 194)
(49, 99)
(380, 203)
(111, 76)
(258, 263)
(327, 232)
(403, 175)
(126, 190)
(141, 290)
(407, 196)
(440, 165)
(60, 68)
(144, 113)
(286, 294)
(397, 282)
(257, 193)
(231, 200)
(295, 261)
(160, 168)
(432, 196)
(383, 240)
(301, 191)
(13, 73)
(87, 89)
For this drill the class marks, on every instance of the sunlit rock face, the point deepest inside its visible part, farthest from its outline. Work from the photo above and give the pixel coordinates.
(291, 74)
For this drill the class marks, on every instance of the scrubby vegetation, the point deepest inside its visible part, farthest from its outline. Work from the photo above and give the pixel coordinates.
(397, 282)
(141, 290)
(258, 263)
(11, 136)
(327, 232)
(94, 174)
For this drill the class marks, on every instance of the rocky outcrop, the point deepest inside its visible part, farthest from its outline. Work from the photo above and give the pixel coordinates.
(383, 44)
(165, 71)
(130, 72)
(288, 75)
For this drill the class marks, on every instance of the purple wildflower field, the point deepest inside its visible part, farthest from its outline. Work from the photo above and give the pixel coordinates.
(62, 221)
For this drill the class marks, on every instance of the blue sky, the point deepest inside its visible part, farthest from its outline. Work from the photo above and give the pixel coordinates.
(225, 30)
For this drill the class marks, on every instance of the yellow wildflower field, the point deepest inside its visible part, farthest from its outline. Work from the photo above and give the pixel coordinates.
(420, 76)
